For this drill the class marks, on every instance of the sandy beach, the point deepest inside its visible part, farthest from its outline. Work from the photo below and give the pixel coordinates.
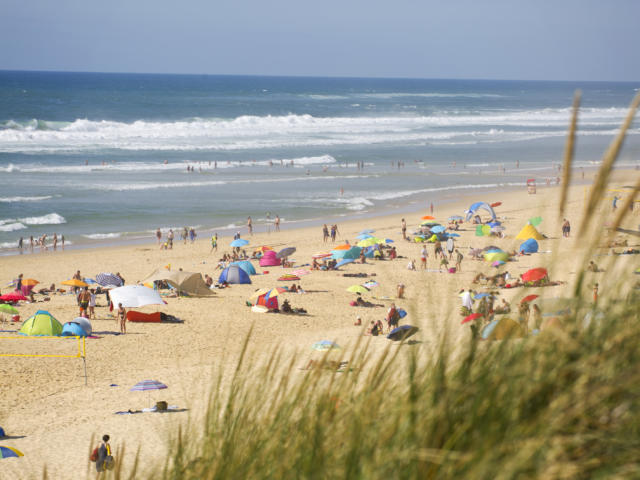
(53, 417)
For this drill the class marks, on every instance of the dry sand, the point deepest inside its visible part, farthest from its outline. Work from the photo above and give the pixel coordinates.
(52, 415)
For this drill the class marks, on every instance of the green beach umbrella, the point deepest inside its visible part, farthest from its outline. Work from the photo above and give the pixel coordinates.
(535, 221)
(6, 308)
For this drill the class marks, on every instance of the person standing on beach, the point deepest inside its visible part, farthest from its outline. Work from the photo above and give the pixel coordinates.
(214, 242)
(404, 229)
(121, 318)
(566, 228)
(192, 234)
(55, 242)
(20, 243)
(170, 239)
(159, 236)
(459, 258)
(62, 241)
(277, 223)
(325, 233)
(334, 232)
(423, 257)
(105, 458)
(615, 202)
(31, 243)
(450, 247)
(249, 226)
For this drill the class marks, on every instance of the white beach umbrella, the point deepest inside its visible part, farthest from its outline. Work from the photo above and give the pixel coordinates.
(132, 296)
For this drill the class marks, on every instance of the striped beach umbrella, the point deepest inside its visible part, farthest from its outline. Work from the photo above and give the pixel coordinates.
(147, 386)
(8, 452)
(108, 280)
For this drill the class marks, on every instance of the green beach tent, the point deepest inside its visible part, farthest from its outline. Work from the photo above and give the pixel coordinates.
(41, 323)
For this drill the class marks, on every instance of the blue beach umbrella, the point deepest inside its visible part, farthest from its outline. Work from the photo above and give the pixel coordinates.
(344, 261)
(240, 242)
(438, 229)
(8, 452)
(402, 332)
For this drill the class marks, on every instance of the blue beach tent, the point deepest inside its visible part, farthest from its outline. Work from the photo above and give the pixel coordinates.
(72, 329)
(246, 265)
(234, 274)
(480, 205)
(529, 246)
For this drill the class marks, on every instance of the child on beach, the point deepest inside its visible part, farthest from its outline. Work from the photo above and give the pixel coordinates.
(459, 258)
(423, 257)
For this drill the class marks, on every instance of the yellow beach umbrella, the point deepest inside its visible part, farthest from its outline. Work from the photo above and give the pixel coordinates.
(74, 282)
(368, 242)
(357, 289)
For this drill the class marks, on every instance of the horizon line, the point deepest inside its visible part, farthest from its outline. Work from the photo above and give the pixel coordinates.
(3, 70)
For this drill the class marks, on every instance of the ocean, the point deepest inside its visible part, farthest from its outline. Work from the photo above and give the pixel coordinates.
(109, 158)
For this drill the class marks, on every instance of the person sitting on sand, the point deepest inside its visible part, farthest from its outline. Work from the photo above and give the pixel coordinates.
(411, 265)
(393, 254)
(593, 267)
(293, 288)
(315, 265)
(286, 307)
(358, 321)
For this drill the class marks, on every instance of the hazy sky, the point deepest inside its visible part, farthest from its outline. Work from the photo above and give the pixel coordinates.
(496, 39)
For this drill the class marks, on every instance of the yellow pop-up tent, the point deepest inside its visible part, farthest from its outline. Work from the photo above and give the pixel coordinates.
(529, 231)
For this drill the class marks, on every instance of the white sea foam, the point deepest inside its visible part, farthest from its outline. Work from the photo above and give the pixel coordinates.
(11, 226)
(253, 132)
(24, 199)
(49, 219)
(102, 236)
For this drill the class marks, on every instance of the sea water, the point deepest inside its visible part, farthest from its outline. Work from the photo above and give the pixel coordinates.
(107, 158)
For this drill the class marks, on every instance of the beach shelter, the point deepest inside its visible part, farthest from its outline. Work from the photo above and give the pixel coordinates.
(239, 242)
(529, 246)
(480, 205)
(344, 246)
(529, 231)
(108, 279)
(72, 329)
(267, 297)
(234, 274)
(352, 253)
(8, 452)
(402, 332)
(269, 259)
(285, 252)
(246, 265)
(344, 261)
(84, 323)
(502, 328)
(190, 283)
(41, 323)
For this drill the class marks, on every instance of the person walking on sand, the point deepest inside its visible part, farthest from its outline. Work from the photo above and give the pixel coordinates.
(121, 318)
(84, 297)
(566, 228)
(334, 232)
(450, 247)
(105, 458)
(214, 242)
(62, 240)
(459, 258)
(277, 223)
(404, 229)
(170, 239)
(249, 225)
(159, 236)
(92, 304)
(325, 233)
(20, 244)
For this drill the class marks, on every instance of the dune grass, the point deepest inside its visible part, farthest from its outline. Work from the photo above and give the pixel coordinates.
(564, 404)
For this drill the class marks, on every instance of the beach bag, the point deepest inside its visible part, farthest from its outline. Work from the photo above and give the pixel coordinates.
(109, 463)
(94, 455)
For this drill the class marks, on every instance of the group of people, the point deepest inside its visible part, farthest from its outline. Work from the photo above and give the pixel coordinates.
(329, 233)
(41, 242)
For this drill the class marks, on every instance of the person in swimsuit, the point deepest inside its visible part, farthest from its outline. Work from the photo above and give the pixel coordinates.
(121, 317)
(84, 297)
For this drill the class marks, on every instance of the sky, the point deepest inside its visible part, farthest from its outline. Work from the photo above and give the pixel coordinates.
(490, 39)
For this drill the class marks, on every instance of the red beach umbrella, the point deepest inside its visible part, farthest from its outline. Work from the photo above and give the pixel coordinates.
(534, 274)
(496, 204)
(468, 318)
(528, 298)
(12, 297)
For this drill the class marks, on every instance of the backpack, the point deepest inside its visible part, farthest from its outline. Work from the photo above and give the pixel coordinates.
(94, 455)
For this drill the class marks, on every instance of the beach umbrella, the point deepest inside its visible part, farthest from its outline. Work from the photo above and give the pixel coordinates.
(363, 236)
(8, 452)
(269, 292)
(428, 217)
(12, 297)
(321, 255)
(427, 223)
(455, 218)
(357, 289)
(535, 221)
(529, 298)
(473, 316)
(6, 308)
(367, 231)
(496, 204)
(402, 332)
(344, 261)
(534, 274)
(263, 248)
(29, 282)
(285, 252)
(108, 279)
(438, 229)
(324, 345)
(368, 242)
(74, 282)
(132, 296)
(239, 242)
(90, 281)
(344, 246)
(352, 253)
(147, 386)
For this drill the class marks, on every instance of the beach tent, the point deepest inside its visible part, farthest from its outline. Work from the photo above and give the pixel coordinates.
(267, 300)
(41, 323)
(190, 283)
(84, 323)
(234, 274)
(529, 231)
(246, 265)
(483, 230)
(72, 329)
(269, 259)
(480, 205)
(502, 328)
(529, 246)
